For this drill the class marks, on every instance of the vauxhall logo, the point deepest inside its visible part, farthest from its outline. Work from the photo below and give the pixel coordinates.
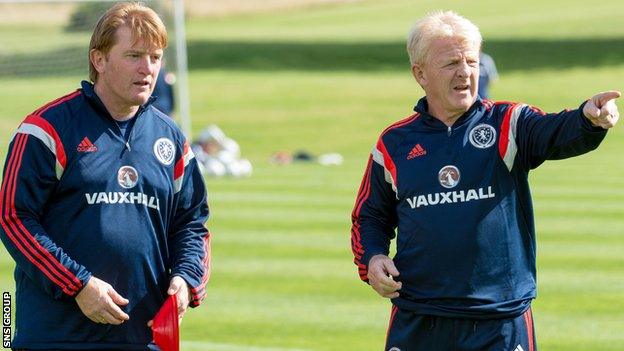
(449, 177)
(127, 177)
(118, 197)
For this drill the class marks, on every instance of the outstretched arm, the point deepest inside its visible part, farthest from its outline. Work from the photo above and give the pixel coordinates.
(539, 136)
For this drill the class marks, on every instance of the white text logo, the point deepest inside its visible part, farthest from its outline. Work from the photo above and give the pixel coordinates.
(123, 198)
(450, 197)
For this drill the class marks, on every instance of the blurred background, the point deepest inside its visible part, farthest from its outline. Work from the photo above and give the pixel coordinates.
(284, 76)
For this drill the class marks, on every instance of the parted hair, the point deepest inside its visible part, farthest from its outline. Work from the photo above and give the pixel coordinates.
(143, 22)
(436, 25)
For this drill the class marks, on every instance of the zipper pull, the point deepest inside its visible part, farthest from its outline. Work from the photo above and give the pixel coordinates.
(128, 146)
(449, 130)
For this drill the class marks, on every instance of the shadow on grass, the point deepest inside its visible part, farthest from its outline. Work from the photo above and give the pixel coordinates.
(510, 55)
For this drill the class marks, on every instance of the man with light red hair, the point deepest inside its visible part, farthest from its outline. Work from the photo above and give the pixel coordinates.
(103, 204)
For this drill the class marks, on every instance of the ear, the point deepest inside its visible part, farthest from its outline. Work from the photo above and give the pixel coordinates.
(419, 74)
(98, 59)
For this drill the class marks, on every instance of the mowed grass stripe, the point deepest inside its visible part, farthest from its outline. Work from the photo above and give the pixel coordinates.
(300, 238)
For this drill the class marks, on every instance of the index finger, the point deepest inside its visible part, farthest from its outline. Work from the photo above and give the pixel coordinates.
(604, 97)
(116, 312)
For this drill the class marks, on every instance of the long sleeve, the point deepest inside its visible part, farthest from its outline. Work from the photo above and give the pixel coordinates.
(28, 183)
(189, 240)
(374, 217)
(536, 136)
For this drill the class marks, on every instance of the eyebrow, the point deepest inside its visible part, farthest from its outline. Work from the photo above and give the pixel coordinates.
(136, 51)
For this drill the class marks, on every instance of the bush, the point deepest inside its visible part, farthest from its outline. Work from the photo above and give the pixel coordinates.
(86, 15)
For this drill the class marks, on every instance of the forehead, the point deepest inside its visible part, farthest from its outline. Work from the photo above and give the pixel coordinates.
(125, 40)
(449, 47)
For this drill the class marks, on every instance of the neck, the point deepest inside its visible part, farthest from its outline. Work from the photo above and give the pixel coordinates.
(119, 111)
(446, 117)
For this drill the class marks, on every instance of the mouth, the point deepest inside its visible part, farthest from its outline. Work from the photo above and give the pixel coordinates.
(462, 88)
(142, 83)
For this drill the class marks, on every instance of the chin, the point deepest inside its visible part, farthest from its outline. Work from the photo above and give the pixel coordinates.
(467, 102)
(463, 105)
(140, 99)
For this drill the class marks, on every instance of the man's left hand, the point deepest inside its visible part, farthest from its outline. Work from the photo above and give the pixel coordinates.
(601, 109)
(178, 287)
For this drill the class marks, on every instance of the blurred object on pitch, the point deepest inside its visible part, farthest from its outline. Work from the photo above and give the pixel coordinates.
(330, 159)
(487, 74)
(285, 158)
(219, 155)
(163, 92)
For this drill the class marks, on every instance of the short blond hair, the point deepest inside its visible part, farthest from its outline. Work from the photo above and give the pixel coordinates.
(436, 25)
(143, 22)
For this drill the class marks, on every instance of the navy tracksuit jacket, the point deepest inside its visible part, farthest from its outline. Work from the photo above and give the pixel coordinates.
(79, 200)
(459, 200)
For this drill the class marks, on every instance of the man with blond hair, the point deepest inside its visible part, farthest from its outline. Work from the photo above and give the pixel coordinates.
(103, 205)
(451, 183)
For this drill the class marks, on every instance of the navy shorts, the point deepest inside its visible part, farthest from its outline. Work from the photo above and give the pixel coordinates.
(409, 331)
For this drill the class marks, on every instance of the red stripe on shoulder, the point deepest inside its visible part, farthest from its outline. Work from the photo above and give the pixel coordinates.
(505, 103)
(539, 111)
(56, 102)
(178, 169)
(487, 103)
(503, 141)
(49, 129)
(401, 123)
(388, 162)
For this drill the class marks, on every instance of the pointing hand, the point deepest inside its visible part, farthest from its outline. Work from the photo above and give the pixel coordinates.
(601, 109)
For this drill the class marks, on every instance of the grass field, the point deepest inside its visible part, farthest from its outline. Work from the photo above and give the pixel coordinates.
(329, 79)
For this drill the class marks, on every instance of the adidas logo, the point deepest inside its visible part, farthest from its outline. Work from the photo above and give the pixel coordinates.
(417, 151)
(519, 348)
(86, 146)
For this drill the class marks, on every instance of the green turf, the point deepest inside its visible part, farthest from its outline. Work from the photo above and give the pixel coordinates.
(329, 79)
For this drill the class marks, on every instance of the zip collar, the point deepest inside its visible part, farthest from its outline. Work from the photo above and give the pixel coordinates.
(89, 92)
(422, 107)
(95, 101)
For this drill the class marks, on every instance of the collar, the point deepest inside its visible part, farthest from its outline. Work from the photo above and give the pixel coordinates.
(88, 90)
(422, 107)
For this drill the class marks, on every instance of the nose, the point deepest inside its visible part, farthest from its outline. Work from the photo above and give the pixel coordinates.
(464, 70)
(146, 66)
